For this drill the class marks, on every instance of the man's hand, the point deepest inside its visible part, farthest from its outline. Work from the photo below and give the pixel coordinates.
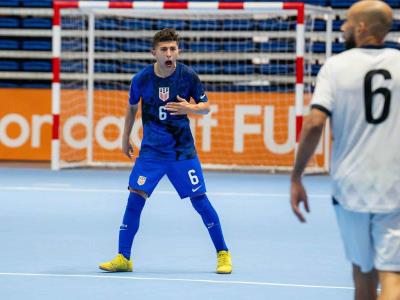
(127, 148)
(309, 137)
(182, 107)
(297, 195)
(130, 114)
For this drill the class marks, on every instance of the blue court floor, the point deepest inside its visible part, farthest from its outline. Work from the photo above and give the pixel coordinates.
(55, 227)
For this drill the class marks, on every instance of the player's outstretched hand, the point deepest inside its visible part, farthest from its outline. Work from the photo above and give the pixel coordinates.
(297, 195)
(127, 148)
(183, 107)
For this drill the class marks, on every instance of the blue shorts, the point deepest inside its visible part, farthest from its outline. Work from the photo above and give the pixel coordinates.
(185, 175)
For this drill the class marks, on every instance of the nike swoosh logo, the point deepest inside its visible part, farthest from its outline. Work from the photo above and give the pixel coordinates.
(193, 190)
(202, 96)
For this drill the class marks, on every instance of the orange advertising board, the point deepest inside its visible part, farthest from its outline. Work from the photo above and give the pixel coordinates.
(243, 128)
(25, 124)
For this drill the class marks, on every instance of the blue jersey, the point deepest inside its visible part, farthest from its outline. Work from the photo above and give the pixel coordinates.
(166, 137)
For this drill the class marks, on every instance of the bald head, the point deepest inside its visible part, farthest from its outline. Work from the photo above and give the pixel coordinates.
(376, 16)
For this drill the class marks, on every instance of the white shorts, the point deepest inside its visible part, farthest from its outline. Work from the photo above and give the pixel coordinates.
(371, 240)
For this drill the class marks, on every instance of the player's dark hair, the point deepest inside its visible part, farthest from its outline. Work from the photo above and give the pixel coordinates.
(165, 35)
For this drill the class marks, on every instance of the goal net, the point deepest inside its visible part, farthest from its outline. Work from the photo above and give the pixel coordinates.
(258, 63)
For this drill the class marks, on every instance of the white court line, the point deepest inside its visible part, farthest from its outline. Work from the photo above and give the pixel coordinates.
(233, 282)
(52, 184)
(119, 191)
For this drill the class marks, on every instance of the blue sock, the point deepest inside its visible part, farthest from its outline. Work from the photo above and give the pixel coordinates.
(130, 223)
(210, 218)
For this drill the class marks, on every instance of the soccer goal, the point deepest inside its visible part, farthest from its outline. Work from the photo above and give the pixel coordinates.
(258, 62)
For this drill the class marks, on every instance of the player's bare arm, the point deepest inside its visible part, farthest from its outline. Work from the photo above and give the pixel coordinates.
(184, 107)
(309, 138)
(130, 115)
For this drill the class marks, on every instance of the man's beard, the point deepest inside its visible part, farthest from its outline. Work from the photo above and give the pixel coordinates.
(350, 42)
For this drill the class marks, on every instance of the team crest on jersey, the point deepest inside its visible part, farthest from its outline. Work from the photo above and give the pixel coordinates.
(141, 180)
(163, 93)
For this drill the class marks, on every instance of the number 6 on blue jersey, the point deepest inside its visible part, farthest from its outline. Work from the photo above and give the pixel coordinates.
(162, 114)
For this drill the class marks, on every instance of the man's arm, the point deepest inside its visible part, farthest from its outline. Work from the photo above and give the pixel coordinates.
(130, 115)
(309, 138)
(183, 107)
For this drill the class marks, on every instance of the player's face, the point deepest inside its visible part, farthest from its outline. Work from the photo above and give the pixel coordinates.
(166, 54)
(348, 29)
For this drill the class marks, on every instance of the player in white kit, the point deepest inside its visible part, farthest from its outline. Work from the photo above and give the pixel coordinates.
(359, 90)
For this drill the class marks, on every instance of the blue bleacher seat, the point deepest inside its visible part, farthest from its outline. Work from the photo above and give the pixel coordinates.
(177, 24)
(136, 24)
(137, 46)
(237, 24)
(9, 44)
(204, 25)
(206, 68)
(318, 2)
(396, 25)
(36, 66)
(275, 24)
(36, 23)
(392, 44)
(73, 45)
(277, 46)
(7, 84)
(336, 24)
(338, 47)
(393, 3)
(183, 45)
(132, 67)
(105, 67)
(35, 85)
(42, 45)
(238, 68)
(111, 24)
(317, 25)
(342, 3)
(73, 23)
(104, 45)
(315, 69)
(205, 46)
(37, 3)
(316, 47)
(239, 46)
(10, 3)
(275, 69)
(8, 65)
(9, 22)
(72, 66)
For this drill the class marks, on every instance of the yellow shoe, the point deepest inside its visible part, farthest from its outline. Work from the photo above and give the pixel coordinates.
(118, 264)
(224, 264)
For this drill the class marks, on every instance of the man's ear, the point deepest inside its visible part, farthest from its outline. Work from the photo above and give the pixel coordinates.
(361, 27)
(153, 52)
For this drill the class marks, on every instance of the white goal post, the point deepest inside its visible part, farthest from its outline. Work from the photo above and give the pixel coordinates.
(258, 62)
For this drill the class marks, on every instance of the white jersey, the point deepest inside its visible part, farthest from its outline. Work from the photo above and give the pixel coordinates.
(360, 89)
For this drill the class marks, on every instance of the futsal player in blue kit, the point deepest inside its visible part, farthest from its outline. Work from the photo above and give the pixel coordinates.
(165, 89)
